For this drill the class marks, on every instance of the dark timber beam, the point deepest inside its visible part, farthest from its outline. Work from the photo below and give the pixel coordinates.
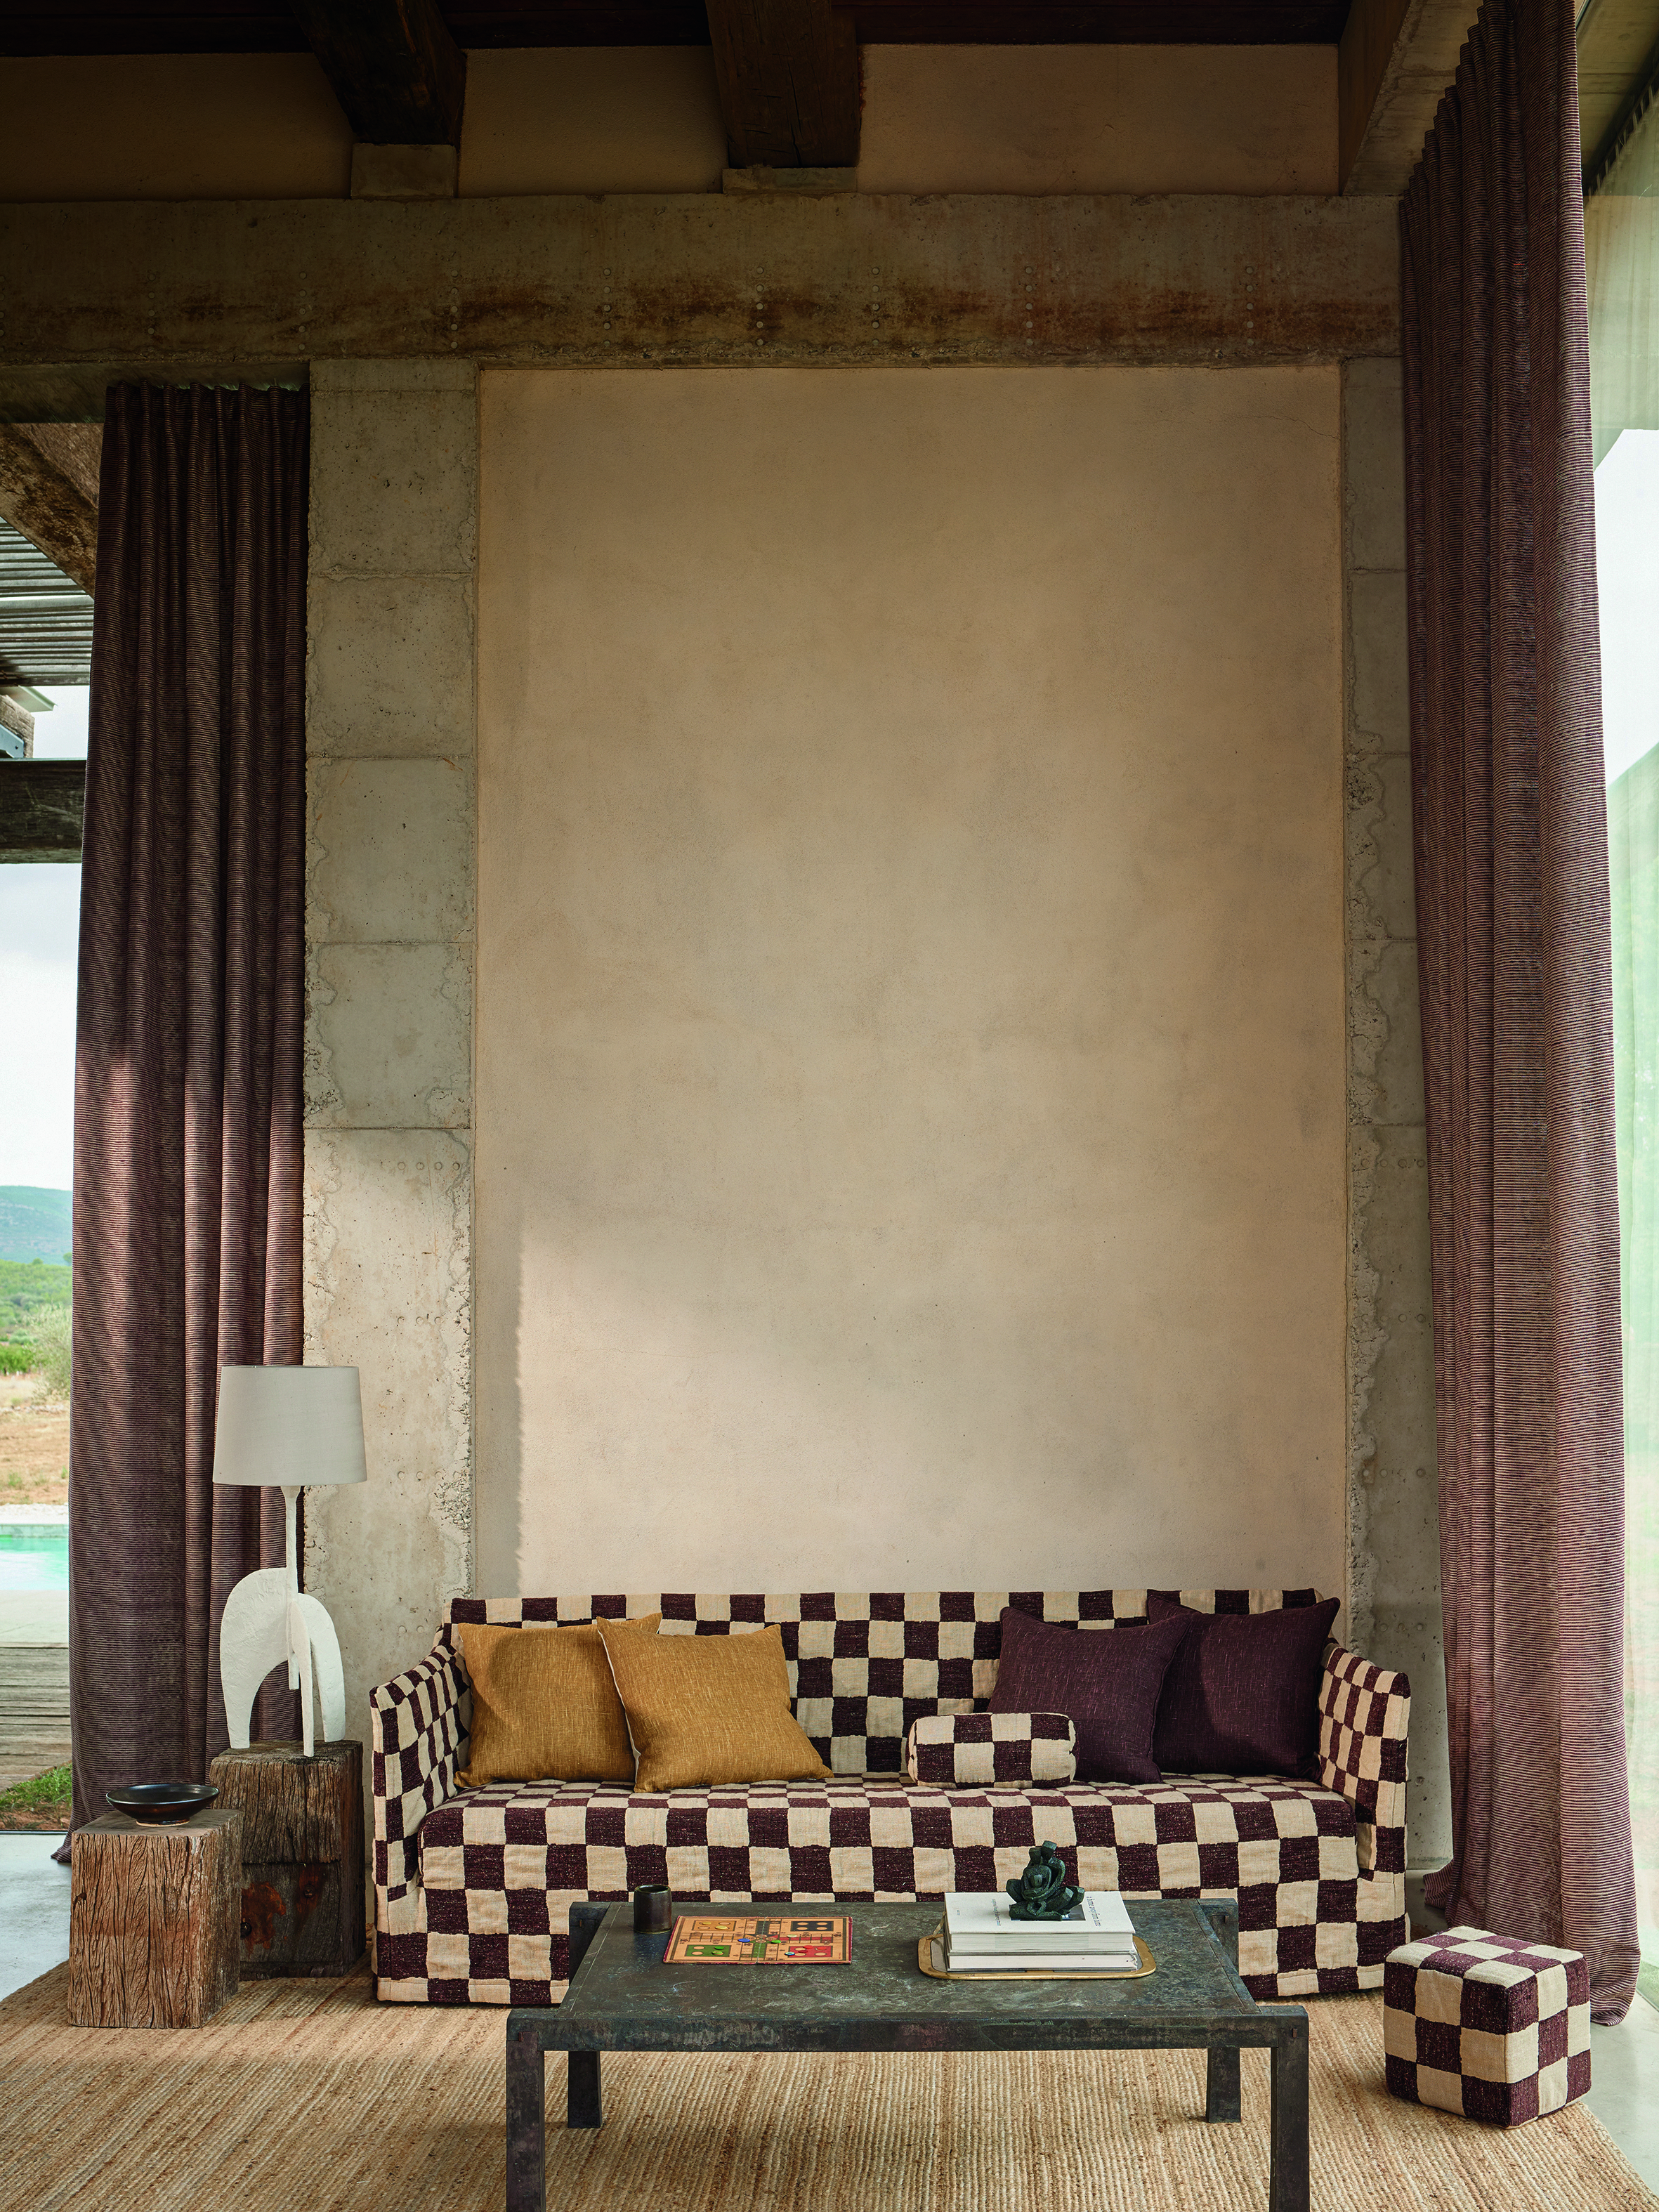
(788, 76)
(43, 493)
(395, 70)
(41, 806)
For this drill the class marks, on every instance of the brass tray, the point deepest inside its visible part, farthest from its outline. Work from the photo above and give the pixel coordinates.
(932, 1949)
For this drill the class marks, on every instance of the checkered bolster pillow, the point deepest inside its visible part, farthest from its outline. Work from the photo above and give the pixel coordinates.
(969, 1750)
(1484, 2025)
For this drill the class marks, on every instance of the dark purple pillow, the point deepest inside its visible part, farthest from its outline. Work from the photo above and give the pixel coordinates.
(1242, 1694)
(1107, 1679)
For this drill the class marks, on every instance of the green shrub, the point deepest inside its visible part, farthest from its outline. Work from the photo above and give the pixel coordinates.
(49, 1334)
(51, 1788)
(15, 1358)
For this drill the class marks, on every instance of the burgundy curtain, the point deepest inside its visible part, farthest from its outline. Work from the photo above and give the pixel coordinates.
(188, 1070)
(1517, 1033)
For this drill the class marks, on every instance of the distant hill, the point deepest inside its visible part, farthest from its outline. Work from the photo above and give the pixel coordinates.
(34, 1225)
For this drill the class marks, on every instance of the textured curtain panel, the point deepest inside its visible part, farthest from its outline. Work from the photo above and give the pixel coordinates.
(188, 1071)
(1517, 1036)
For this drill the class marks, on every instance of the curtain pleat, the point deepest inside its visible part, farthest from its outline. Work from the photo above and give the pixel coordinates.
(188, 1124)
(1517, 1035)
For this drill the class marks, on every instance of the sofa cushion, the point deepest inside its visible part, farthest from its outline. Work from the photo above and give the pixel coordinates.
(997, 1750)
(709, 1709)
(874, 1839)
(864, 1664)
(1242, 1693)
(1109, 1685)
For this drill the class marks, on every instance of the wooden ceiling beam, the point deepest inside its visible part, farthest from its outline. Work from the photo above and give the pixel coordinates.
(787, 71)
(43, 493)
(395, 67)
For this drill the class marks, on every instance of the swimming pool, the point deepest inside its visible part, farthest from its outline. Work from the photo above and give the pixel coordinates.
(33, 1556)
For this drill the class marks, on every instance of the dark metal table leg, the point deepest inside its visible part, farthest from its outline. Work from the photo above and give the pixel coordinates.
(583, 2107)
(527, 2122)
(1222, 2095)
(1287, 2186)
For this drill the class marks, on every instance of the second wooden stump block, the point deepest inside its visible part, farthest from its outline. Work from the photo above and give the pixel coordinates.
(302, 1856)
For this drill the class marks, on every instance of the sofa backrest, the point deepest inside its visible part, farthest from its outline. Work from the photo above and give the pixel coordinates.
(863, 1666)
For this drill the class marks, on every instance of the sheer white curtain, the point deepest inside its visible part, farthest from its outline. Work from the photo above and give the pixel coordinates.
(1621, 240)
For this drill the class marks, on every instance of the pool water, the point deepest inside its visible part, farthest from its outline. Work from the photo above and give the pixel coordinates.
(33, 1559)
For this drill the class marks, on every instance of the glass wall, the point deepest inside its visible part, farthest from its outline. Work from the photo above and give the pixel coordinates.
(1621, 229)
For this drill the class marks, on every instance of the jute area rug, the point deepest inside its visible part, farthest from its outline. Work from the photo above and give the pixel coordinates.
(307, 2094)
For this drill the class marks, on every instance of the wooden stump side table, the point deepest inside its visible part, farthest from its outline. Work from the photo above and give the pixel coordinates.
(302, 1856)
(153, 1916)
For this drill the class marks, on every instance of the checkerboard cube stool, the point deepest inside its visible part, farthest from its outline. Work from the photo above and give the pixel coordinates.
(1482, 2025)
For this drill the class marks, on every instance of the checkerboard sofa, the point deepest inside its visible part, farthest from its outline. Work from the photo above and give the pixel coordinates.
(472, 1888)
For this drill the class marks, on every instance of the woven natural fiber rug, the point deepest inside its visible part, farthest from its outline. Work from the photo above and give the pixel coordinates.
(307, 2094)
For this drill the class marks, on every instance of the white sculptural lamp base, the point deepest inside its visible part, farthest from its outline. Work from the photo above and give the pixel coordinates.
(268, 1618)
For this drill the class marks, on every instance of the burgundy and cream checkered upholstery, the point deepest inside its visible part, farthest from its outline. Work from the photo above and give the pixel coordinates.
(1363, 1715)
(978, 1751)
(1485, 2025)
(472, 1889)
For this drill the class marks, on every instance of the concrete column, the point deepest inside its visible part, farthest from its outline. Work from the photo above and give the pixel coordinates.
(390, 901)
(1393, 1529)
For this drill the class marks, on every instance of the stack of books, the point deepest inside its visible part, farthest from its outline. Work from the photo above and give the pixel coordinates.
(982, 1936)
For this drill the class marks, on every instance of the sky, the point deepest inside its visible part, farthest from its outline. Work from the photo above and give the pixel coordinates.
(40, 920)
(41, 906)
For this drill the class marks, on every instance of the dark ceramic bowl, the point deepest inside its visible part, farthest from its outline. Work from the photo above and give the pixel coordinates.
(163, 1804)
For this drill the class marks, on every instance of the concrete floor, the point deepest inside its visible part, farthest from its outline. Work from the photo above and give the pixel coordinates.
(34, 1909)
(35, 1897)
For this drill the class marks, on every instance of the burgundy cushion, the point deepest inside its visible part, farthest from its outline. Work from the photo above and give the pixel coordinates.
(1107, 1679)
(1242, 1694)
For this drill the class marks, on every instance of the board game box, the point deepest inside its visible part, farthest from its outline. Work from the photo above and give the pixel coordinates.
(760, 1939)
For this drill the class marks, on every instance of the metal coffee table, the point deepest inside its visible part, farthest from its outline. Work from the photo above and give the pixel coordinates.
(622, 1997)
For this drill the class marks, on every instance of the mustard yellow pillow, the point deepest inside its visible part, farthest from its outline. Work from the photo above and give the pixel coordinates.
(544, 1707)
(710, 1708)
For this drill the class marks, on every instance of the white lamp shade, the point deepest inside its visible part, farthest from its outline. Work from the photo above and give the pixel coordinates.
(289, 1426)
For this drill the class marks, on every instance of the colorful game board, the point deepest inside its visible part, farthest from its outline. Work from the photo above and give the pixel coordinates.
(752, 1939)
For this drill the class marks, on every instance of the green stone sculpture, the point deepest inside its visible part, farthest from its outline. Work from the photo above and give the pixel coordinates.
(1042, 1892)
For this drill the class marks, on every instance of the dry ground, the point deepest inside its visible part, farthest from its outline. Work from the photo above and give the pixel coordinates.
(34, 1445)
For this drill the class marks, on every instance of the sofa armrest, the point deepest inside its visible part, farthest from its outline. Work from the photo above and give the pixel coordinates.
(1364, 1714)
(416, 1737)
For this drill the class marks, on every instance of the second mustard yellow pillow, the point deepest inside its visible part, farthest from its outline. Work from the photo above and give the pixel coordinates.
(710, 1709)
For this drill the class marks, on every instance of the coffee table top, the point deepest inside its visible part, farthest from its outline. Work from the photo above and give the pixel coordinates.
(623, 1997)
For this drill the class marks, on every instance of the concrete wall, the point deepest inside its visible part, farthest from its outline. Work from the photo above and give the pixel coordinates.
(389, 1036)
(909, 1100)
(1394, 1531)
(390, 1211)
(1025, 119)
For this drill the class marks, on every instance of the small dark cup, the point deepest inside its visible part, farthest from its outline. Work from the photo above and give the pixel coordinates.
(651, 1907)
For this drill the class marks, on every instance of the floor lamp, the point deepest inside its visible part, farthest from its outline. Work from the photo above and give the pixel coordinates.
(290, 1427)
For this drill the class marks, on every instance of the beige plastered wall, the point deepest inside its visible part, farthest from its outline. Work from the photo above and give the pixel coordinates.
(1025, 119)
(172, 127)
(389, 1226)
(1099, 119)
(909, 1066)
